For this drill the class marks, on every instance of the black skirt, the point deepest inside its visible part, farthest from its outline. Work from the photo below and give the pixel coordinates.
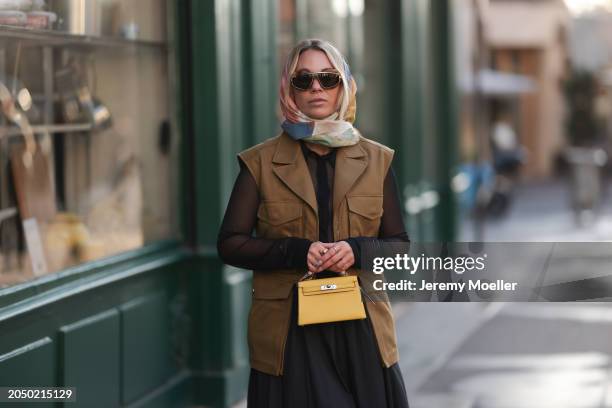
(329, 365)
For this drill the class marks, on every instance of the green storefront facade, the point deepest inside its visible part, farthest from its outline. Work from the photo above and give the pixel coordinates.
(164, 325)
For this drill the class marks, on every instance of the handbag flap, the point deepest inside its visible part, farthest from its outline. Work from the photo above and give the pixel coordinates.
(328, 286)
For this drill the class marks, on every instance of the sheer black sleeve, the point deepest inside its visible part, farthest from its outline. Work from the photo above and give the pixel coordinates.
(236, 245)
(391, 225)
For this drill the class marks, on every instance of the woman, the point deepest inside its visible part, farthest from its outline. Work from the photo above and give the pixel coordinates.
(315, 194)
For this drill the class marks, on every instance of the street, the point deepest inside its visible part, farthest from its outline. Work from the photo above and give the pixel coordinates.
(507, 355)
(541, 212)
(518, 355)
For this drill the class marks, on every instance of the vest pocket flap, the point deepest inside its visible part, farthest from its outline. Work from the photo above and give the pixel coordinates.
(277, 213)
(367, 206)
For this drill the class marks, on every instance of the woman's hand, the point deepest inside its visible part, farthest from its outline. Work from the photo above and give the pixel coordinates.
(315, 255)
(338, 257)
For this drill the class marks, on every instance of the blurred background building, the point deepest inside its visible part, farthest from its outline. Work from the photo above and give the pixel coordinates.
(512, 62)
(535, 112)
(499, 111)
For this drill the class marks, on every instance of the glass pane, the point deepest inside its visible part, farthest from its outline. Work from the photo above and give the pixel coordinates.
(99, 178)
(286, 32)
(328, 20)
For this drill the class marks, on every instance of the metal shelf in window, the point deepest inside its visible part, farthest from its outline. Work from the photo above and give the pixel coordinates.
(54, 38)
(13, 131)
(7, 213)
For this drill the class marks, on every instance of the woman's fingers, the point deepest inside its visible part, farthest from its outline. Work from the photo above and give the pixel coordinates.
(342, 265)
(315, 253)
(336, 256)
(313, 263)
(331, 250)
(340, 254)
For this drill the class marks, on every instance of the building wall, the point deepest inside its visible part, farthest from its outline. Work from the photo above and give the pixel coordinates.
(539, 50)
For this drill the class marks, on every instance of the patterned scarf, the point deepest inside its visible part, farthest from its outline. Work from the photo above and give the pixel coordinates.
(334, 131)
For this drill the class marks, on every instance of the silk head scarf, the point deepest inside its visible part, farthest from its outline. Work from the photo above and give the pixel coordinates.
(337, 129)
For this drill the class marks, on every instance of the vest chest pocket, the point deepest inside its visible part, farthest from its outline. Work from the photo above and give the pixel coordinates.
(364, 213)
(279, 219)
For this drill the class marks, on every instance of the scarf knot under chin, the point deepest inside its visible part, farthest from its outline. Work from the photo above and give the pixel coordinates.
(326, 132)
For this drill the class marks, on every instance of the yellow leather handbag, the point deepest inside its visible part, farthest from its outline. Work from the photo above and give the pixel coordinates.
(329, 300)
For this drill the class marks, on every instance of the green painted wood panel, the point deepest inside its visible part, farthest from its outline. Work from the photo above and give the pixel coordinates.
(206, 92)
(29, 366)
(90, 360)
(231, 110)
(32, 365)
(145, 345)
(239, 301)
(427, 126)
(174, 393)
(260, 70)
(429, 117)
(71, 311)
(446, 102)
(409, 158)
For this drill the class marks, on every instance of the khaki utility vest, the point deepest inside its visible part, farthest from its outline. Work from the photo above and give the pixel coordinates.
(288, 208)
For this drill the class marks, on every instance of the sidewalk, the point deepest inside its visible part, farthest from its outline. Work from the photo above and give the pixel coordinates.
(526, 355)
(517, 355)
(429, 334)
(541, 212)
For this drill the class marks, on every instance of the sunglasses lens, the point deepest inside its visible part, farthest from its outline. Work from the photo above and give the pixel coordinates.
(302, 82)
(330, 80)
(326, 80)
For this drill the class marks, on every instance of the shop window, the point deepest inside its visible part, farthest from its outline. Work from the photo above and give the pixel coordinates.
(87, 132)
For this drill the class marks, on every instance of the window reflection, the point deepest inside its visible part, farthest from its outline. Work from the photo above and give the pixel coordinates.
(96, 98)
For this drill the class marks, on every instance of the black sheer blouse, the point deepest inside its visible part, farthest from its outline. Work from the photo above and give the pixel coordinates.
(237, 246)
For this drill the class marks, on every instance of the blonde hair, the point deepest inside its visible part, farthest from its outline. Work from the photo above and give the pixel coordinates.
(347, 104)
